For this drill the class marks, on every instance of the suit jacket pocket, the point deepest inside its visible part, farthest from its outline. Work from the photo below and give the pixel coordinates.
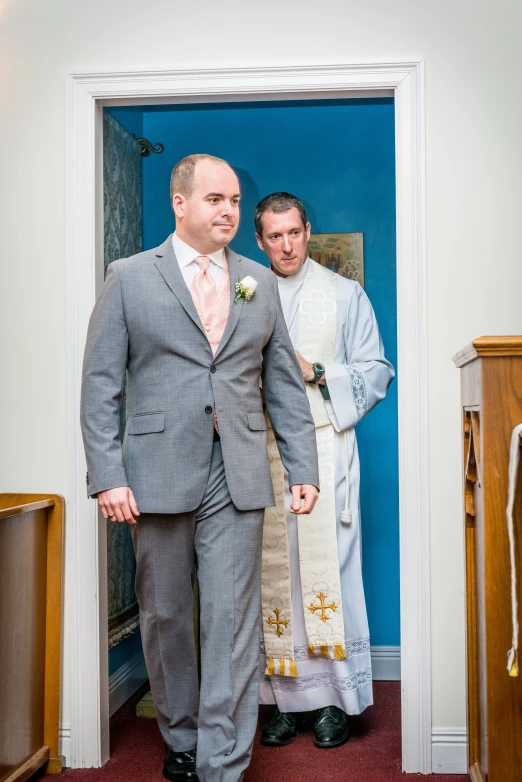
(146, 423)
(256, 421)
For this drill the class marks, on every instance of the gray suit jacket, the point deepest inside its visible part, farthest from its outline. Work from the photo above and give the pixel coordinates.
(145, 328)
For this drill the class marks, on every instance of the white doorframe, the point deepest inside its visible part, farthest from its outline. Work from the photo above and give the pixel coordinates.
(85, 606)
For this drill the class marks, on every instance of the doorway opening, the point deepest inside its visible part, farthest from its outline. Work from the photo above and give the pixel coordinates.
(86, 611)
(347, 182)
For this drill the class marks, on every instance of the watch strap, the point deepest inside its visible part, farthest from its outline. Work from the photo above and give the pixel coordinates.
(319, 371)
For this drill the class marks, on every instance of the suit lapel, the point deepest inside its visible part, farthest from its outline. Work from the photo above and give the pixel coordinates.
(234, 270)
(168, 266)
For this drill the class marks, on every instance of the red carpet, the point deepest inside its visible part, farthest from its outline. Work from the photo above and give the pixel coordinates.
(373, 754)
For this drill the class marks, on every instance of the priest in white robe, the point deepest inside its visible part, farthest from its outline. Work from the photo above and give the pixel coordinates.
(316, 654)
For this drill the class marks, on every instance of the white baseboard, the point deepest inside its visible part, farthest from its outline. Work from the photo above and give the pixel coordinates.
(64, 743)
(386, 663)
(449, 751)
(125, 681)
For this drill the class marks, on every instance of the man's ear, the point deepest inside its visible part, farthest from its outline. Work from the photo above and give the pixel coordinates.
(178, 204)
(308, 229)
(259, 242)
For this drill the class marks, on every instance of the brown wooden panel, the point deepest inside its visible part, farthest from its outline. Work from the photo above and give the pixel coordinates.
(472, 509)
(502, 410)
(23, 577)
(17, 503)
(13, 511)
(30, 766)
(53, 623)
(491, 383)
(471, 392)
(15, 508)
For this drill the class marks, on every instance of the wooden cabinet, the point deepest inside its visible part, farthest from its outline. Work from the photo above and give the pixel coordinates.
(491, 383)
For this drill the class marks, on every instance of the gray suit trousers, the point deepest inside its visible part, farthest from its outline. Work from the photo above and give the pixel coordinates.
(224, 545)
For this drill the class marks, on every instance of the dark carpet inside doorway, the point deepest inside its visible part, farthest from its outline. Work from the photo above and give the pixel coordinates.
(373, 754)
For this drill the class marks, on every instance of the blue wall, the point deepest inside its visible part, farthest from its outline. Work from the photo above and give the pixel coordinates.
(338, 156)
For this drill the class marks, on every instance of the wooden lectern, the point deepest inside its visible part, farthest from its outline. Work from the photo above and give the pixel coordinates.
(491, 383)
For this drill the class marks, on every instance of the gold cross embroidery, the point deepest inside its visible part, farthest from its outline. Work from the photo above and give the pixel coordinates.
(278, 623)
(323, 608)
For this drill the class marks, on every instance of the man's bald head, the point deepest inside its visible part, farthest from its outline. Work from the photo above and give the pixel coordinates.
(182, 177)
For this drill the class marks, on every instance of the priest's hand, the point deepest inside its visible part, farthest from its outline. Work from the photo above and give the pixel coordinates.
(306, 367)
(306, 491)
(118, 505)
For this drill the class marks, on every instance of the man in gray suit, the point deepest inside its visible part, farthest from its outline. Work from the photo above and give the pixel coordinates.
(193, 327)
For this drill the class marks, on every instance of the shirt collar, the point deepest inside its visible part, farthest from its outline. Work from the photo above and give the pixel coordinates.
(186, 254)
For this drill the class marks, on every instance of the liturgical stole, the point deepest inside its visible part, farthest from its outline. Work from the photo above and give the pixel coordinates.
(317, 535)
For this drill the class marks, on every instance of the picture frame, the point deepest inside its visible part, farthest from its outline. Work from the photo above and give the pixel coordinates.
(340, 252)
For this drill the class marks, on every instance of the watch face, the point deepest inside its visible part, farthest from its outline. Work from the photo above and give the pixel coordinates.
(319, 367)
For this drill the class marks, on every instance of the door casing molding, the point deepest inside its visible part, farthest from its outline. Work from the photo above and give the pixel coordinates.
(86, 589)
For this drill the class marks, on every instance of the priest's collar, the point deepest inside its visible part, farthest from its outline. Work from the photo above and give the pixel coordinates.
(295, 279)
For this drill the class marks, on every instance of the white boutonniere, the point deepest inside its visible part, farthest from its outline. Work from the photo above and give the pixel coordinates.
(245, 288)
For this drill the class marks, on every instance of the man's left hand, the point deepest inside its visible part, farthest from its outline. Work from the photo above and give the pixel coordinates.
(306, 491)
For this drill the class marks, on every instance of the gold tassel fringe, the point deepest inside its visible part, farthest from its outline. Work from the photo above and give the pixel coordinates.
(336, 652)
(287, 667)
(513, 671)
(284, 667)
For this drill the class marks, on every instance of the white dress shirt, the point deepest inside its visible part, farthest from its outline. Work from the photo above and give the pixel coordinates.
(189, 268)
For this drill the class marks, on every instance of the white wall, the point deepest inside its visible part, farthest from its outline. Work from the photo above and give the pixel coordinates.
(474, 196)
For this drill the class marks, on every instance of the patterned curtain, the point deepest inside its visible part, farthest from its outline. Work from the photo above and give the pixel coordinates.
(123, 237)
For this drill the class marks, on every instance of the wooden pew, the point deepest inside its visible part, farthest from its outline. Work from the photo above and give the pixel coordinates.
(31, 543)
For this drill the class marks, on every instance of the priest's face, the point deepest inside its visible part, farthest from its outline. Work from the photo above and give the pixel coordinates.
(208, 217)
(284, 240)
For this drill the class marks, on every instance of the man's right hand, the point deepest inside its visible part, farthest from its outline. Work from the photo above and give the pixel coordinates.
(118, 505)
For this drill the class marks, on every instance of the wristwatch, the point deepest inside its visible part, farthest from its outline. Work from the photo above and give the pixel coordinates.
(319, 370)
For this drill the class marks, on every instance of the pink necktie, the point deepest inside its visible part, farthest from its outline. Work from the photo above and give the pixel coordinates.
(203, 290)
(204, 295)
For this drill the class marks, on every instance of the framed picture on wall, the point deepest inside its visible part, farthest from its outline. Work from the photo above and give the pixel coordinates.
(342, 253)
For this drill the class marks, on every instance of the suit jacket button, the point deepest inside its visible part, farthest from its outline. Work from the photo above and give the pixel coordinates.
(208, 409)
(212, 368)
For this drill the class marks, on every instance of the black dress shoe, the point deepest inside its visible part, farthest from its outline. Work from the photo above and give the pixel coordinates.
(330, 728)
(280, 730)
(180, 766)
